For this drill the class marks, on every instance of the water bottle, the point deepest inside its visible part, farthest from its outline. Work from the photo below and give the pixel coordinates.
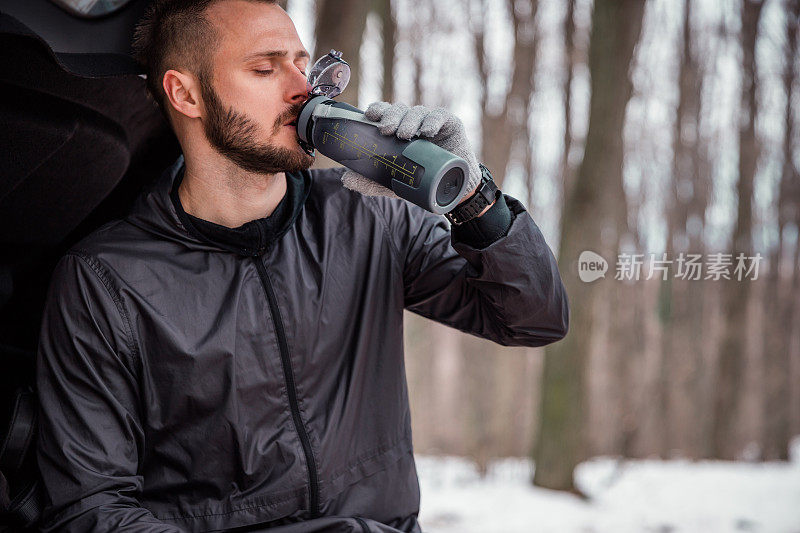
(416, 170)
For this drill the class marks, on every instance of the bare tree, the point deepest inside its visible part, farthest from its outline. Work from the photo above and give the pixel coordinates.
(726, 439)
(569, 66)
(340, 25)
(500, 129)
(389, 31)
(423, 21)
(778, 304)
(791, 184)
(681, 351)
(591, 220)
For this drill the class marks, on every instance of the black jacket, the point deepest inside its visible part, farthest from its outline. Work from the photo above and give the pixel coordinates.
(193, 379)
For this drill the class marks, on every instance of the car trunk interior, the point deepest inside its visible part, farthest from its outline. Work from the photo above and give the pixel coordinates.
(80, 138)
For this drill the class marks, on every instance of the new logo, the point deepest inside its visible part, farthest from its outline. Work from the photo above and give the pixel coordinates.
(591, 266)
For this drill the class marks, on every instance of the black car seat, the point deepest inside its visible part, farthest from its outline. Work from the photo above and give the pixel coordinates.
(79, 139)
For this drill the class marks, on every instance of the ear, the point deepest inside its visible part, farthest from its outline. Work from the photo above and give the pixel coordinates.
(183, 93)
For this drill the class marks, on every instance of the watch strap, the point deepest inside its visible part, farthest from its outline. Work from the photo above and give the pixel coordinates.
(484, 196)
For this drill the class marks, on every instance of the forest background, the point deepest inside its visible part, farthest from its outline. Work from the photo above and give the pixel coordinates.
(662, 136)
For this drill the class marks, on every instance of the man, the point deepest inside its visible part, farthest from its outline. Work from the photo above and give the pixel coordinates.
(230, 354)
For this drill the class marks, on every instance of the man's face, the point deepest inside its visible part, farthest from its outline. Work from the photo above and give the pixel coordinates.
(257, 87)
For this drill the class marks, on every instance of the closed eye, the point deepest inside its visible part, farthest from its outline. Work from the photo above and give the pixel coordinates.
(263, 72)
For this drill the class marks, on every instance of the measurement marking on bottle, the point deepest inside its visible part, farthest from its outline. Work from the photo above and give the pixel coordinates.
(391, 164)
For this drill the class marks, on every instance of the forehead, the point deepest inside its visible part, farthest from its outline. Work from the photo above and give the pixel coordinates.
(244, 28)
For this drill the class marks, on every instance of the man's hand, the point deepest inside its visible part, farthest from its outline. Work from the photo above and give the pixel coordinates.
(437, 125)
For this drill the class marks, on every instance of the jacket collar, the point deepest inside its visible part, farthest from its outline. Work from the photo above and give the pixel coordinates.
(158, 210)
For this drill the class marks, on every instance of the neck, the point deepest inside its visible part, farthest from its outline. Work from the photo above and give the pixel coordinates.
(225, 194)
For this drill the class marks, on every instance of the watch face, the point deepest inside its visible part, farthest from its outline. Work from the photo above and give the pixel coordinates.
(488, 189)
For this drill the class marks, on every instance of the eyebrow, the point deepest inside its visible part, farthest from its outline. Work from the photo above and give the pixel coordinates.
(275, 53)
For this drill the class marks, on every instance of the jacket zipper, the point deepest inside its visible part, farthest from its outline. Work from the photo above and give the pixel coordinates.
(313, 480)
(363, 524)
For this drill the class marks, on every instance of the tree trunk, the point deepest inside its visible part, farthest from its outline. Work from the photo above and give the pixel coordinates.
(681, 346)
(726, 437)
(422, 22)
(778, 324)
(793, 316)
(567, 172)
(499, 130)
(703, 299)
(340, 25)
(389, 30)
(591, 220)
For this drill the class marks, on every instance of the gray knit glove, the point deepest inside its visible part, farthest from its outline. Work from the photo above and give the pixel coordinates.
(438, 125)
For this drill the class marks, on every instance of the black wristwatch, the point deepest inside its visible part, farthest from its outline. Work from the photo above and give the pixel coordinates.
(486, 194)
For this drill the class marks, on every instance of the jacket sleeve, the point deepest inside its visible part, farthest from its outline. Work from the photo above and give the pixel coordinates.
(90, 438)
(509, 291)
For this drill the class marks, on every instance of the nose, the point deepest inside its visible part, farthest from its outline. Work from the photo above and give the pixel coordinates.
(296, 90)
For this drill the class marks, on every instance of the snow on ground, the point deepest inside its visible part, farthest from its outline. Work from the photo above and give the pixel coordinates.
(636, 496)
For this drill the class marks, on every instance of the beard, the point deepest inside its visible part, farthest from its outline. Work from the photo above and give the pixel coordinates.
(234, 135)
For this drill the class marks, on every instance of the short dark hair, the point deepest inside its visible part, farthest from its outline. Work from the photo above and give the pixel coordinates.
(175, 34)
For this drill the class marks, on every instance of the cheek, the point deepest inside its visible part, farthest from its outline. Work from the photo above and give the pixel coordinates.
(256, 100)
(256, 104)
